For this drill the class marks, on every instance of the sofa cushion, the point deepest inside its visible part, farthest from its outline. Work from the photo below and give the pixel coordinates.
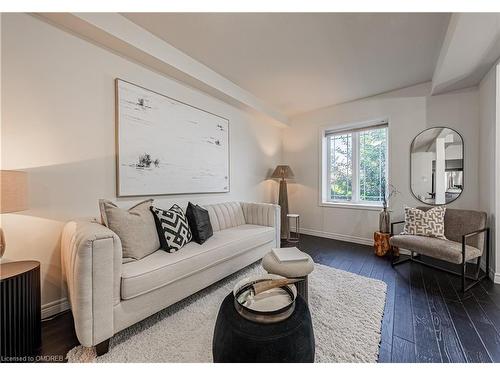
(225, 215)
(438, 248)
(162, 268)
(458, 222)
(135, 227)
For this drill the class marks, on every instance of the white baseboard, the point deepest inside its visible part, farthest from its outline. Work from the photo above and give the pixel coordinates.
(55, 307)
(338, 236)
(495, 277)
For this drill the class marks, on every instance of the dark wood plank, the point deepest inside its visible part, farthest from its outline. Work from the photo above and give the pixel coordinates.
(403, 351)
(446, 336)
(385, 351)
(490, 308)
(342, 263)
(358, 262)
(484, 327)
(492, 289)
(321, 259)
(58, 337)
(378, 269)
(426, 347)
(366, 270)
(388, 320)
(403, 314)
(472, 345)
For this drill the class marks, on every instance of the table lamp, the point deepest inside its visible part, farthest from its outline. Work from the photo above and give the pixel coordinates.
(283, 172)
(13, 196)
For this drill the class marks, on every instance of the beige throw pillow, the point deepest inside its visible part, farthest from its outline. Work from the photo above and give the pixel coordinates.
(135, 227)
(425, 223)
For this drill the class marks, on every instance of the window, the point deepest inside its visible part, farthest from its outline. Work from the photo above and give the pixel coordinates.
(356, 165)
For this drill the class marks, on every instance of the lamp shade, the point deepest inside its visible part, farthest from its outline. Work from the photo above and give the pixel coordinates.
(283, 171)
(13, 191)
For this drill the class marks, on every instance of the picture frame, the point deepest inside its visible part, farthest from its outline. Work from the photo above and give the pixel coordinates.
(167, 147)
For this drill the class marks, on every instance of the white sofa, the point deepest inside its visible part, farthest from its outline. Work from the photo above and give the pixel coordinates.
(107, 295)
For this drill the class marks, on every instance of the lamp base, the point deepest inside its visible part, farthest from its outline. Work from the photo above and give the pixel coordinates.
(283, 202)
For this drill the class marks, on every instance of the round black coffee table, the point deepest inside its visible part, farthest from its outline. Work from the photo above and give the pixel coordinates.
(237, 339)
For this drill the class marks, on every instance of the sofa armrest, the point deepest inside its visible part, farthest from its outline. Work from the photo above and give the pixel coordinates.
(91, 258)
(264, 214)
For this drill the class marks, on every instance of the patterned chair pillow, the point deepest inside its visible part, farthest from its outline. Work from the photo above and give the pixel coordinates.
(425, 223)
(173, 228)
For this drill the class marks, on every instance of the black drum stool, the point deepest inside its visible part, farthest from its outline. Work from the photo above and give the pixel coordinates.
(237, 339)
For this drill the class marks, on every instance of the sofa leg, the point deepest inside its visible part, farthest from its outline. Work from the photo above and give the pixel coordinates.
(102, 348)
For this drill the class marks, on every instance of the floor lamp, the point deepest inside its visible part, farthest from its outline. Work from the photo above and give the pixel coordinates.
(283, 172)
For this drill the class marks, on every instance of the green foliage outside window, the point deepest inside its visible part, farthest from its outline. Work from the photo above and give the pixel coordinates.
(341, 167)
(372, 164)
(371, 168)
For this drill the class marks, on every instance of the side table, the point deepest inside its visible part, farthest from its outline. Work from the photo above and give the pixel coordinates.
(295, 238)
(382, 245)
(238, 340)
(20, 311)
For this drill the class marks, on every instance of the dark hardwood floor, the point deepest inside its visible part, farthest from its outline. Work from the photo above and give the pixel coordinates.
(426, 317)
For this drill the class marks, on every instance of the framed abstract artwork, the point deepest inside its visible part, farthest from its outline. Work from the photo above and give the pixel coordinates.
(164, 146)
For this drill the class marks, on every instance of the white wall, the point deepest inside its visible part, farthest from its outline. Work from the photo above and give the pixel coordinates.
(489, 164)
(409, 111)
(58, 125)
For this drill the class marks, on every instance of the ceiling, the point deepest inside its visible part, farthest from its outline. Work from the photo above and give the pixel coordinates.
(426, 141)
(299, 62)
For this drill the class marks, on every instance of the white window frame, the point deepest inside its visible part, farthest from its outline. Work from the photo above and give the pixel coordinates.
(324, 197)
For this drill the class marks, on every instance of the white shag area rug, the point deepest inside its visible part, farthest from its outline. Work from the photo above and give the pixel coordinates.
(346, 311)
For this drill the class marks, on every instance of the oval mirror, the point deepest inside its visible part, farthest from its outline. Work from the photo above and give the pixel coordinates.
(437, 166)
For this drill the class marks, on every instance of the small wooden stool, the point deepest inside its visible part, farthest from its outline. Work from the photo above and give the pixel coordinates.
(382, 245)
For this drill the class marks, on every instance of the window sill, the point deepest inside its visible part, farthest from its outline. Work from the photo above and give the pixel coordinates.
(355, 206)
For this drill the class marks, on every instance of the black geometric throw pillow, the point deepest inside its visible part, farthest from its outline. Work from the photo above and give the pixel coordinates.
(173, 228)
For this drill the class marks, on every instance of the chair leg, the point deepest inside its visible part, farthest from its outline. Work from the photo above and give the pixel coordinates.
(487, 245)
(464, 264)
(463, 278)
(478, 268)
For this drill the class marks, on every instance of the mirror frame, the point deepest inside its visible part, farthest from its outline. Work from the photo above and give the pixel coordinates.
(463, 164)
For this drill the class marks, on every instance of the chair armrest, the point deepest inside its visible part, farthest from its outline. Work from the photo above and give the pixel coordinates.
(475, 233)
(265, 214)
(394, 223)
(486, 242)
(91, 258)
